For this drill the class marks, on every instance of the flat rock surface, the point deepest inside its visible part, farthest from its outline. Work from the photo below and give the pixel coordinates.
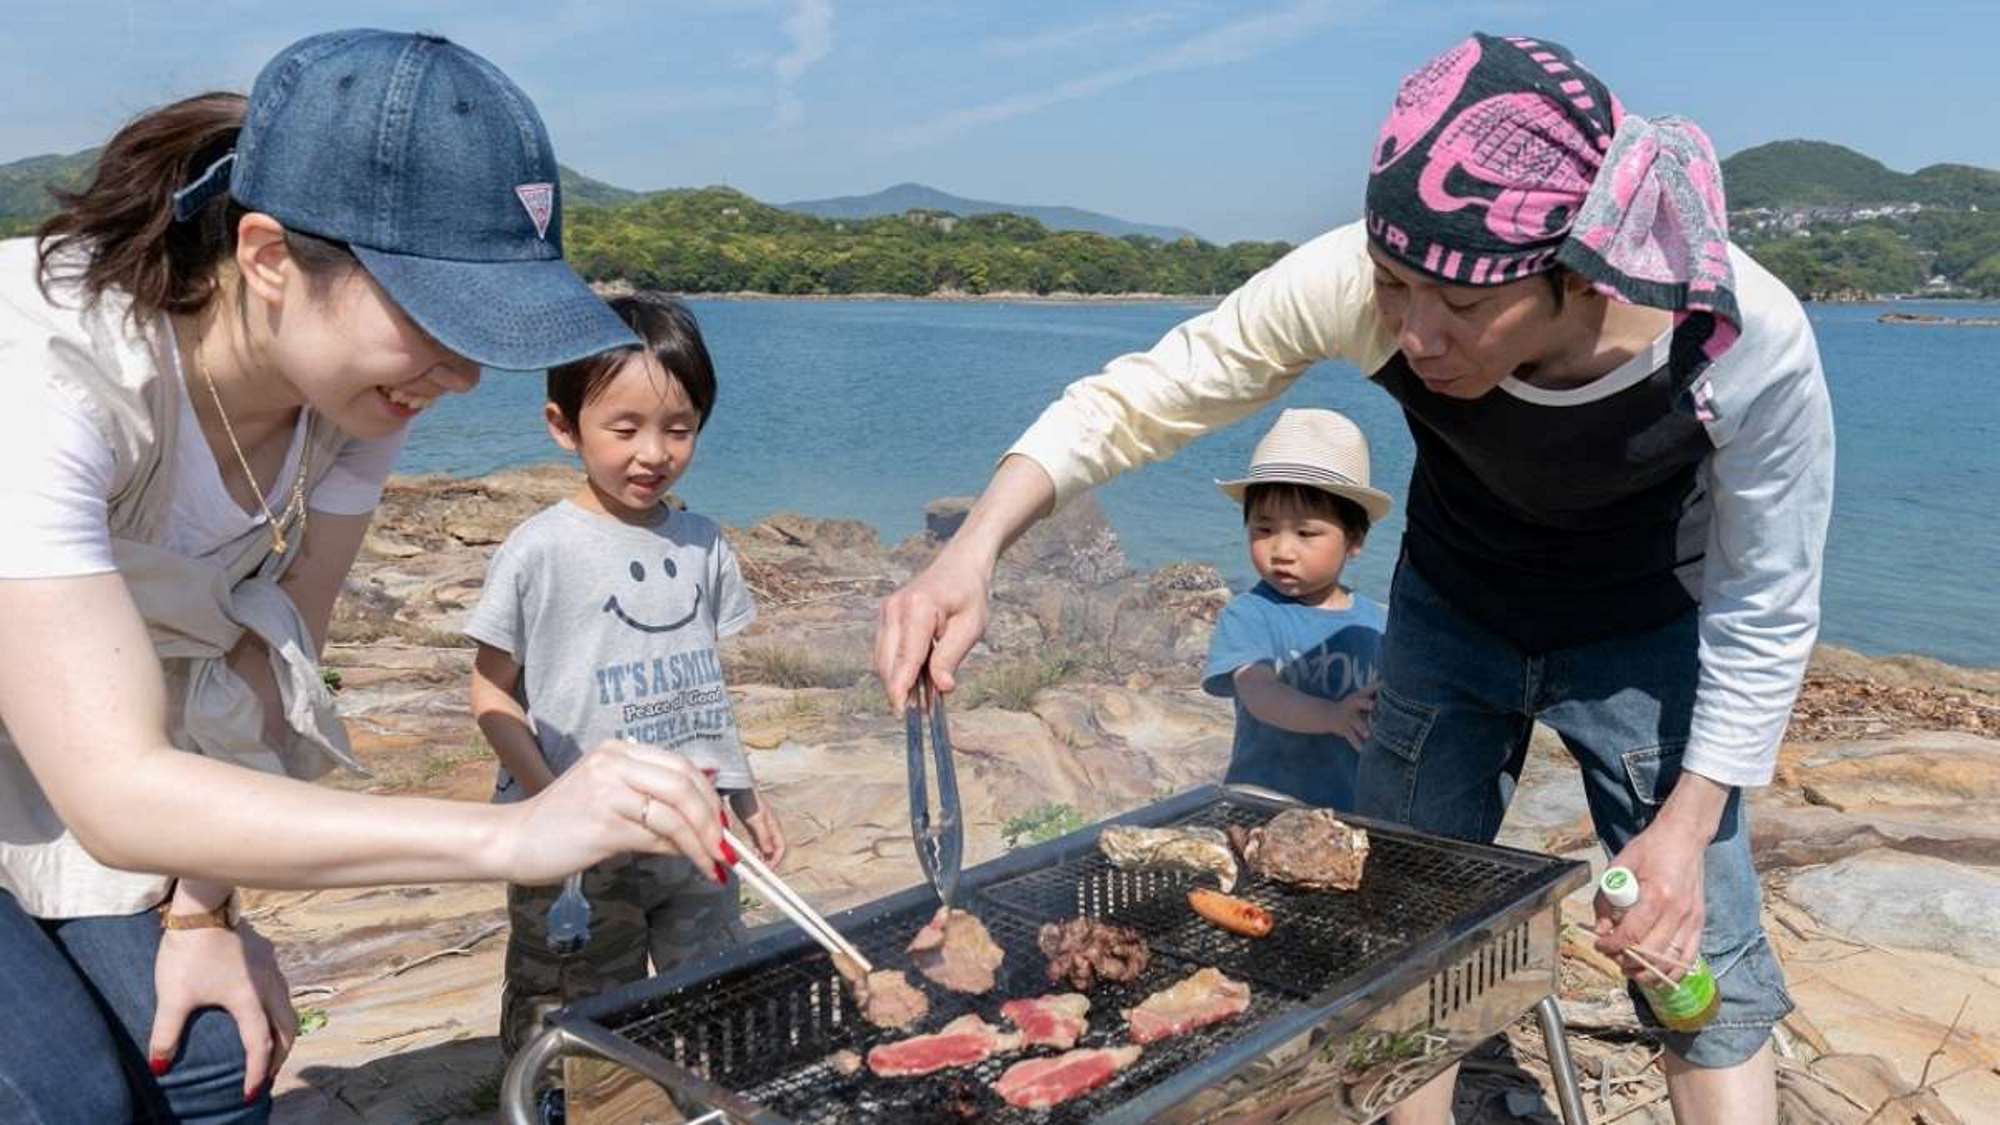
(1879, 840)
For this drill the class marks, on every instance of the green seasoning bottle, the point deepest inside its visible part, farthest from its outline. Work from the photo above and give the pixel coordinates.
(1685, 1006)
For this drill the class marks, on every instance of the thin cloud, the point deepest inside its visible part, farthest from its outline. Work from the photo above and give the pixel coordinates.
(1227, 43)
(1108, 31)
(810, 29)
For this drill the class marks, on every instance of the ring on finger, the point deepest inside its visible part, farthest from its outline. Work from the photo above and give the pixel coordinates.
(645, 811)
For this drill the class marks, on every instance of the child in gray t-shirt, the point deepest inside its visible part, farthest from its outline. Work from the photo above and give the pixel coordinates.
(598, 621)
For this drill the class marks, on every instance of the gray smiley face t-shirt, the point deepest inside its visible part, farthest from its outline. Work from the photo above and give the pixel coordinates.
(615, 629)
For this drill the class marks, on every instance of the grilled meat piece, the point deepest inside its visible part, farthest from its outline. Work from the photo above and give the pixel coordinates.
(1201, 851)
(1084, 951)
(955, 950)
(1049, 1021)
(1041, 1083)
(1205, 997)
(1308, 848)
(844, 1062)
(886, 997)
(965, 1041)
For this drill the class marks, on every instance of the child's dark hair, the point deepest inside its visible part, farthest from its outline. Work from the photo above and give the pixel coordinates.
(117, 232)
(1352, 517)
(668, 330)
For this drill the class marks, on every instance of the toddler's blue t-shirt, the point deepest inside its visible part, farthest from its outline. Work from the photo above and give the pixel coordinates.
(1323, 652)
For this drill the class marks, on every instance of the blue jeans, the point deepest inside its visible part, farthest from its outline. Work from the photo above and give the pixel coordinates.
(1456, 706)
(76, 1010)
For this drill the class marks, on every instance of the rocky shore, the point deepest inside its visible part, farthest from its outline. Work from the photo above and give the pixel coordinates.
(1879, 841)
(1931, 320)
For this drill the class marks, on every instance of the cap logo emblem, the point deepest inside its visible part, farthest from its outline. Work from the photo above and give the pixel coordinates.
(540, 201)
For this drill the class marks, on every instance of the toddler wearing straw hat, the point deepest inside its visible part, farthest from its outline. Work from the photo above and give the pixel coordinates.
(1298, 651)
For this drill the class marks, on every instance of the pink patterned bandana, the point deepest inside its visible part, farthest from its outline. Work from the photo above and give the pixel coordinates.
(1505, 157)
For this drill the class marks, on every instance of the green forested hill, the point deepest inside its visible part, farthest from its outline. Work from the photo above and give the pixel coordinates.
(1831, 221)
(1818, 174)
(1825, 218)
(720, 240)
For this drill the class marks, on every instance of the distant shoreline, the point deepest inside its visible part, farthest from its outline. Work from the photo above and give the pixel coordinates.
(1006, 297)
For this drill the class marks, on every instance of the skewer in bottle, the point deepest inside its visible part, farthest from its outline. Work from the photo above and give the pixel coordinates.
(1684, 1005)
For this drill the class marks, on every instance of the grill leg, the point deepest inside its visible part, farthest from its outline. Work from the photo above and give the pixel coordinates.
(517, 1088)
(1569, 1097)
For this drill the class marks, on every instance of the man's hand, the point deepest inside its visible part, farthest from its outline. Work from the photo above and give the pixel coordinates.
(936, 619)
(932, 623)
(1665, 926)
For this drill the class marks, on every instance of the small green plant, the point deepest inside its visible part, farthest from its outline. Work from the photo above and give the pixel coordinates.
(438, 763)
(1039, 825)
(311, 1020)
(331, 678)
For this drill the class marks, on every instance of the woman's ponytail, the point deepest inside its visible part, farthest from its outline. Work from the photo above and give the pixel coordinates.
(118, 231)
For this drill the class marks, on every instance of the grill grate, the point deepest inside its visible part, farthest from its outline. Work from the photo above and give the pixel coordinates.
(767, 1034)
(764, 1026)
(1412, 888)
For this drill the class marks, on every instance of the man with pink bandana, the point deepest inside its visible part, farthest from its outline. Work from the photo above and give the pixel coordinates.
(1615, 519)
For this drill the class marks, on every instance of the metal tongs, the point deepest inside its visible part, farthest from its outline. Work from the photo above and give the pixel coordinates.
(940, 846)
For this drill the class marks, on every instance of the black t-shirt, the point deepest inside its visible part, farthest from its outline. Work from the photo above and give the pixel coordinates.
(1559, 518)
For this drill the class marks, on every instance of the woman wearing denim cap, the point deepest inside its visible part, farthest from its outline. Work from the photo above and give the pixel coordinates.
(1616, 515)
(211, 355)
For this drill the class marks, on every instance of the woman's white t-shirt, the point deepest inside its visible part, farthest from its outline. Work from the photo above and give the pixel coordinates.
(56, 473)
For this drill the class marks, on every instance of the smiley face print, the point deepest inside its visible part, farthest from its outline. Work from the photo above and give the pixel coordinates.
(668, 572)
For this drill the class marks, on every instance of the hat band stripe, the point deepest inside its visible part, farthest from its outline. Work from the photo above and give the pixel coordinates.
(1293, 471)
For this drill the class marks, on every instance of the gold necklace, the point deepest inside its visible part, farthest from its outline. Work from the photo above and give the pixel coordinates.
(297, 505)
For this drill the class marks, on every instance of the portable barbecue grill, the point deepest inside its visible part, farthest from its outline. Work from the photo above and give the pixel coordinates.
(1357, 998)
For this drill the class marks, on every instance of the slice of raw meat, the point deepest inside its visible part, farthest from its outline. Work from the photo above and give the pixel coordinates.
(955, 950)
(1205, 997)
(1041, 1083)
(962, 1042)
(1049, 1021)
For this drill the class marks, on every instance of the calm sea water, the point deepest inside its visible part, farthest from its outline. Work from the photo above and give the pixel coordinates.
(869, 410)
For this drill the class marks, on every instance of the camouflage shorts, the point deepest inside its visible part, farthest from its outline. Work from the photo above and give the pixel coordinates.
(656, 908)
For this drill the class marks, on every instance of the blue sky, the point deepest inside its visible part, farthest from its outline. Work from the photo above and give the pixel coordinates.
(1245, 119)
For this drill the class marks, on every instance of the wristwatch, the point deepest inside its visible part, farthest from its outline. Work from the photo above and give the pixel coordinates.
(223, 917)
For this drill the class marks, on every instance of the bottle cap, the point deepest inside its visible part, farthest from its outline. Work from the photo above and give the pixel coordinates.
(1620, 888)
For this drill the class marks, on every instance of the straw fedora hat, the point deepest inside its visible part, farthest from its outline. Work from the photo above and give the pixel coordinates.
(1320, 449)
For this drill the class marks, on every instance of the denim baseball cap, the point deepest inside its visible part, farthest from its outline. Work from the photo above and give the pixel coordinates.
(436, 170)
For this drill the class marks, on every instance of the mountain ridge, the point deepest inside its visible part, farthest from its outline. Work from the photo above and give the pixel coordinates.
(1803, 173)
(1778, 174)
(900, 198)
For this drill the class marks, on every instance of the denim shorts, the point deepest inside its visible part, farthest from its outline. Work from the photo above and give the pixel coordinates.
(1456, 706)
